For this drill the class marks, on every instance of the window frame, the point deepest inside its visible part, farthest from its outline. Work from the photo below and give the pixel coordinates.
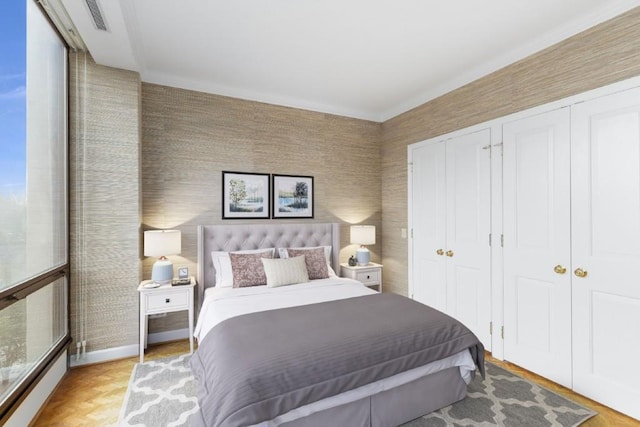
(21, 290)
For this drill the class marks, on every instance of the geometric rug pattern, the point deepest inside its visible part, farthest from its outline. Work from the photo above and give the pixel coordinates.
(163, 393)
(505, 399)
(160, 393)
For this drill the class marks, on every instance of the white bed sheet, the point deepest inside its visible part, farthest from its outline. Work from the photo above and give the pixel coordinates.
(224, 303)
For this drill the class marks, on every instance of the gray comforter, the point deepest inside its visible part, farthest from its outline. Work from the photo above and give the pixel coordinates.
(257, 366)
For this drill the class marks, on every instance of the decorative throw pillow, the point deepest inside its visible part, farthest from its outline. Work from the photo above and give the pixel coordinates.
(248, 269)
(284, 253)
(289, 271)
(315, 260)
(222, 265)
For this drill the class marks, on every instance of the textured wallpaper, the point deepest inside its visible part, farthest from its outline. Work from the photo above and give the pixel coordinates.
(104, 180)
(154, 155)
(189, 138)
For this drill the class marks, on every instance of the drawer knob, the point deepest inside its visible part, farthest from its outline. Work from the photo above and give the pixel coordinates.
(368, 277)
(167, 300)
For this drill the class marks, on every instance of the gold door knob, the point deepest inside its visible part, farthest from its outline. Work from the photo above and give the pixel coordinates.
(449, 253)
(580, 272)
(560, 269)
(440, 252)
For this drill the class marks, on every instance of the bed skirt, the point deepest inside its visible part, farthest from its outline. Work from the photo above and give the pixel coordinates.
(393, 407)
(389, 408)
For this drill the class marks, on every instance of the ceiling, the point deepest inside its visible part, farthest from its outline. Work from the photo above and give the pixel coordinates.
(369, 59)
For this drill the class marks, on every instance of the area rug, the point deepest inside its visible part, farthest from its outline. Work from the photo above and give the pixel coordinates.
(163, 393)
(505, 399)
(160, 393)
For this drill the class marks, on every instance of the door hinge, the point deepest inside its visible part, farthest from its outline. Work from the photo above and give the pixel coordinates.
(490, 328)
(487, 147)
(489, 239)
(502, 240)
(412, 233)
(502, 332)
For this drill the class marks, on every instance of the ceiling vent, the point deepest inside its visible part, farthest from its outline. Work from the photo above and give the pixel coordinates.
(96, 14)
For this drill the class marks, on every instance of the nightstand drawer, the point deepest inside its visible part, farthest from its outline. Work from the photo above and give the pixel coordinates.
(365, 277)
(167, 301)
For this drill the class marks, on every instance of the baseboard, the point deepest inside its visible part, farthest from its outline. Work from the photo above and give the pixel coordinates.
(31, 405)
(106, 355)
(114, 353)
(176, 334)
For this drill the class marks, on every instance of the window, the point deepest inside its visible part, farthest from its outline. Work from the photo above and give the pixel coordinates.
(33, 198)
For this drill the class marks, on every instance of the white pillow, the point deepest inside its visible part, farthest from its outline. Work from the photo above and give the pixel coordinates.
(282, 253)
(288, 271)
(222, 265)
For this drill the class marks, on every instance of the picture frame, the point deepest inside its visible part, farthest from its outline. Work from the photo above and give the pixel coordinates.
(245, 195)
(292, 196)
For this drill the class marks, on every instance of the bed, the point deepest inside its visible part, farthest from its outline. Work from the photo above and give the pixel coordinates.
(315, 352)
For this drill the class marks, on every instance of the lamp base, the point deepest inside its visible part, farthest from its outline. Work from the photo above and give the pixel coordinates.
(363, 256)
(162, 272)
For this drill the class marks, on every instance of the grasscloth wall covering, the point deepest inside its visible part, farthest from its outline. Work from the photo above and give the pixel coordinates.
(601, 55)
(104, 203)
(360, 168)
(189, 138)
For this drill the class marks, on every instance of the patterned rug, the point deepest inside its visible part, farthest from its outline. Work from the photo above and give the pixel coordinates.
(505, 399)
(163, 393)
(160, 393)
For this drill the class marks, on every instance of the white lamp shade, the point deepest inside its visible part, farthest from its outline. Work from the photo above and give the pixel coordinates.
(363, 234)
(162, 242)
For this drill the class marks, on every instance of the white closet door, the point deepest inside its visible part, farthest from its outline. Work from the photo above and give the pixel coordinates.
(429, 225)
(606, 245)
(536, 196)
(467, 252)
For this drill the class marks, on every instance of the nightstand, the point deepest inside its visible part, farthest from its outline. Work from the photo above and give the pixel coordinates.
(164, 299)
(370, 275)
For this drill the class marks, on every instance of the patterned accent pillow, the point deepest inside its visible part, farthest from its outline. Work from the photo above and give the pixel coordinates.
(248, 269)
(222, 265)
(316, 262)
(289, 271)
(284, 253)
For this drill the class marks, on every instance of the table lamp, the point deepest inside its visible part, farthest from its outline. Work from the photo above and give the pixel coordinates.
(363, 235)
(160, 243)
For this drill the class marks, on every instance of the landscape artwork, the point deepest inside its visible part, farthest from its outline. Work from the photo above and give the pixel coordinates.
(292, 196)
(245, 195)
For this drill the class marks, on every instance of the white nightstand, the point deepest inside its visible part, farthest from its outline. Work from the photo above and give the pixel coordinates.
(164, 299)
(370, 275)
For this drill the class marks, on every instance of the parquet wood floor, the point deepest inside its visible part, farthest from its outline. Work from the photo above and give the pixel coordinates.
(92, 395)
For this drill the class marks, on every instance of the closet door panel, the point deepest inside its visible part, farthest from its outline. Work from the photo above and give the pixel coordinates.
(468, 227)
(606, 245)
(429, 225)
(536, 197)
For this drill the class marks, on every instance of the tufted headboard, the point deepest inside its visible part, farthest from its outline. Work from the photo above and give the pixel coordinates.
(236, 237)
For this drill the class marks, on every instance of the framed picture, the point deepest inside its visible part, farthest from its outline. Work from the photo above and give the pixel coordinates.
(245, 195)
(292, 196)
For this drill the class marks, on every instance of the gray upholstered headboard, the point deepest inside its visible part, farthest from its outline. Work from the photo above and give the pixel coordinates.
(234, 237)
